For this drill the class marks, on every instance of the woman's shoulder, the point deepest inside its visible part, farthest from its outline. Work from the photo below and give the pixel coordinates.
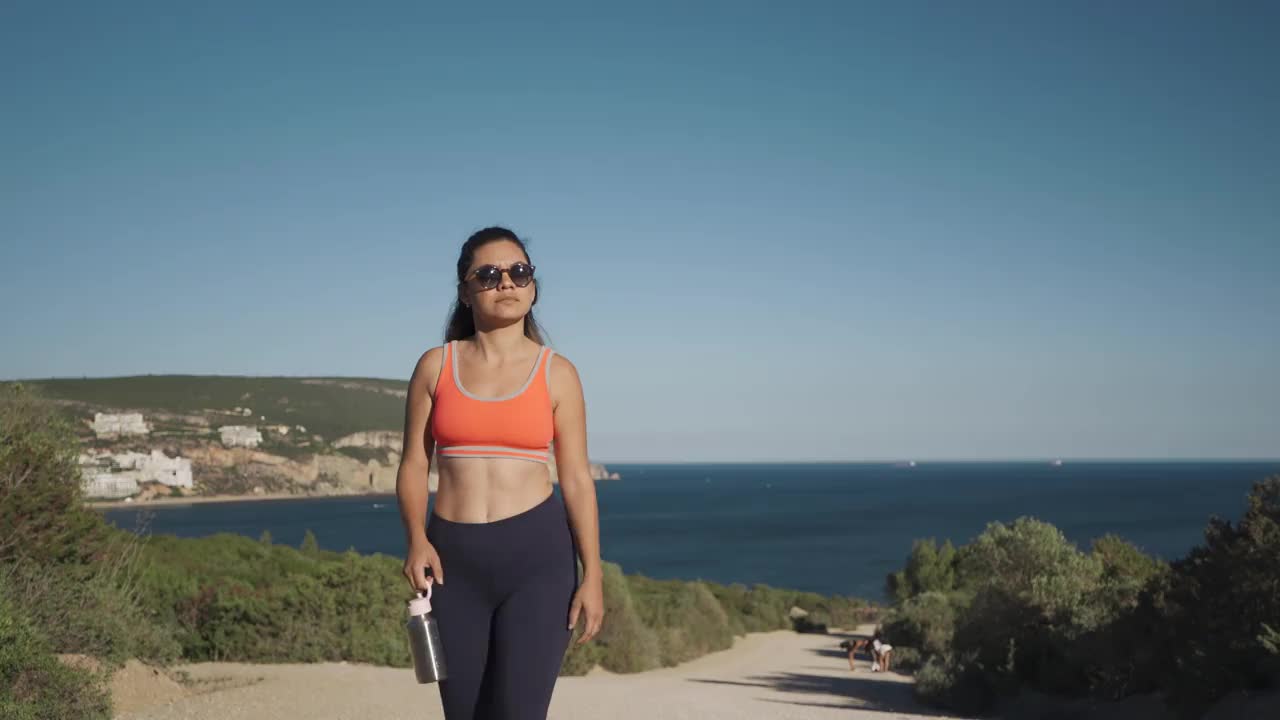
(432, 358)
(559, 364)
(561, 372)
(427, 370)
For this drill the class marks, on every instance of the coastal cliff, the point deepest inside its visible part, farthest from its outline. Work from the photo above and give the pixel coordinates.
(151, 437)
(238, 471)
(320, 474)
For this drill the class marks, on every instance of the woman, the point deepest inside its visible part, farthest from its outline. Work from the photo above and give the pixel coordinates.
(853, 646)
(880, 652)
(489, 402)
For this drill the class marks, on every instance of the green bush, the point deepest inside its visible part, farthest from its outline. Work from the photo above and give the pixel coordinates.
(1032, 564)
(960, 686)
(69, 578)
(930, 568)
(42, 515)
(1019, 607)
(692, 618)
(81, 609)
(834, 610)
(1126, 572)
(926, 622)
(759, 608)
(686, 618)
(906, 660)
(1034, 596)
(626, 643)
(1223, 602)
(230, 597)
(580, 659)
(1031, 615)
(370, 596)
(34, 684)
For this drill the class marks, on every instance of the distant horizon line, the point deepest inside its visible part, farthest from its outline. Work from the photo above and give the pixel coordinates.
(201, 374)
(953, 461)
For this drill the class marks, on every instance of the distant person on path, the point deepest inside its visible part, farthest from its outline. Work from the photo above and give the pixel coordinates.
(880, 651)
(853, 646)
(488, 404)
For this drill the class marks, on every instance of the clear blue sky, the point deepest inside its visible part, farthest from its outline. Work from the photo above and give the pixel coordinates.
(765, 231)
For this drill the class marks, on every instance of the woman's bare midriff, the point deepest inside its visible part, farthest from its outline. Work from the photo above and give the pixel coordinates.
(483, 490)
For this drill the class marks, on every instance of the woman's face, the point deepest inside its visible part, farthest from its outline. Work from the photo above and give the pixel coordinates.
(507, 301)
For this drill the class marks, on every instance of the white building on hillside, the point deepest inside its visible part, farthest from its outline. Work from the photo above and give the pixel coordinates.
(157, 467)
(110, 485)
(111, 475)
(240, 435)
(119, 424)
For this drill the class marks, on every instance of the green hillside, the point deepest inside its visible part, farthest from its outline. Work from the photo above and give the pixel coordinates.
(321, 405)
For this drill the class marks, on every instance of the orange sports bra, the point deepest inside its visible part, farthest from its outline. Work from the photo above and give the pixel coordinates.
(517, 426)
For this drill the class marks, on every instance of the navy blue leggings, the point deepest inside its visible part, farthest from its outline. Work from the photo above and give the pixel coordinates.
(503, 611)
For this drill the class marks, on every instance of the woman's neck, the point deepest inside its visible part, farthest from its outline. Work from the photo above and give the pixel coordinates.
(501, 344)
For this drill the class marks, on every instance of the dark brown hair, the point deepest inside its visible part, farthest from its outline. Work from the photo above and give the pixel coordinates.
(462, 324)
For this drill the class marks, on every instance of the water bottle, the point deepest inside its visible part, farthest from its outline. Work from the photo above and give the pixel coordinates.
(424, 639)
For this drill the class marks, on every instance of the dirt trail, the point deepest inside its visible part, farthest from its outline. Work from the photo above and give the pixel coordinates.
(777, 675)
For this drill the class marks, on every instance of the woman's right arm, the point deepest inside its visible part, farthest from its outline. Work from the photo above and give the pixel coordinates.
(415, 464)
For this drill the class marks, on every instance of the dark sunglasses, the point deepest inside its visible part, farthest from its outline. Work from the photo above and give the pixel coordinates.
(490, 275)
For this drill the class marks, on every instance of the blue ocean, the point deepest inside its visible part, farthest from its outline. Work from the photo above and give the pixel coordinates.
(830, 528)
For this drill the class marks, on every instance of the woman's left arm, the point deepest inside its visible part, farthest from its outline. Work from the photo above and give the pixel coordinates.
(579, 491)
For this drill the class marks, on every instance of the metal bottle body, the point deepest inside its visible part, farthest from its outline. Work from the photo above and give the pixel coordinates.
(424, 643)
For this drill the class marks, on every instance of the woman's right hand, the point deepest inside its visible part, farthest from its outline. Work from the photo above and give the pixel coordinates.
(422, 554)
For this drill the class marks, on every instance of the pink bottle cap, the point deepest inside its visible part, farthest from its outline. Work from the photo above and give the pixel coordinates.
(421, 605)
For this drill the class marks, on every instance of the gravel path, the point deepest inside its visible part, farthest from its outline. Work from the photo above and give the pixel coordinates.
(777, 675)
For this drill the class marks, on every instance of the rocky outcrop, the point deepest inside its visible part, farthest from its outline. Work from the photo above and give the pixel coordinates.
(600, 472)
(250, 470)
(390, 439)
(393, 440)
(242, 470)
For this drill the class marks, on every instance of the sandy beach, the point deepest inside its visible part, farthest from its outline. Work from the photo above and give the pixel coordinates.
(778, 675)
